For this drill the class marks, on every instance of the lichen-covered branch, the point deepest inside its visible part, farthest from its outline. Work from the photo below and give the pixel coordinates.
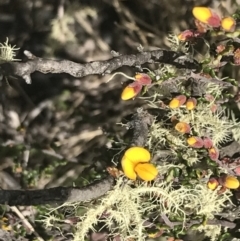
(25, 69)
(57, 195)
(141, 122)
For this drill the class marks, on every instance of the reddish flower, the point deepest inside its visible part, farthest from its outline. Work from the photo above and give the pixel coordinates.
(191, 103)
(143, 79)
(213, 153)
(195, 142)
(212, 183)
(177, 101)
(214, 21)
(189, 35)
(207, 16)
(131, 91)
(182, 127)
(207, 142)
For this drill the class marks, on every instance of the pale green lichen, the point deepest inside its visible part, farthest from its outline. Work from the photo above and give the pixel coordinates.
(124, 209)
(211, 231)
(7, 52)
(206, 123)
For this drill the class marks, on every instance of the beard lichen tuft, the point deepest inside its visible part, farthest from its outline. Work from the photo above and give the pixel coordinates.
(123, 210)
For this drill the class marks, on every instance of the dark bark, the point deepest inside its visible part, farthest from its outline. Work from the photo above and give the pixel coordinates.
(57, 195)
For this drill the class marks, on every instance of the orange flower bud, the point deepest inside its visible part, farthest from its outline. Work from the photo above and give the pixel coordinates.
(146, 171)
(177, 101)
(231, 182)
(143, 79)
(228, 24)
(195, 142)
(213, 153)
(191, 103)
(212, 183)
(182, 127)
(131, 91)
(207, 16)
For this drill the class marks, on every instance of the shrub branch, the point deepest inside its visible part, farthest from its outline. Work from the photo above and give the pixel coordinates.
(25, 69)
(57, 195)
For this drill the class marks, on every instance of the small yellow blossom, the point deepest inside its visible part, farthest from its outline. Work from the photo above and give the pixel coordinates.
(182, 127)
(231, 182)
(146, 171)
(195, 142)
(133, 164)
(191, 103)
(207, 16)
(202, 14)
(228, 24)
(177, 101)
(212, 183)
(128, 93)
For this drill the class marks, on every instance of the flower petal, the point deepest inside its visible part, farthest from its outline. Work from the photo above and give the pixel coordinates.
(131, 91)
(137, 154)
(146, 171)
(207, 142)
(228, 24)
(143, 79)
(231, 182)
(202, 14)
(195, 142)
(212, 183)
(128, 168)
(191, 103)
(213, 153)
(177, 101)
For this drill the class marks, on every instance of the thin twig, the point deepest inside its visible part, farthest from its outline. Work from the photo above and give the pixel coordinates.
(26, 222)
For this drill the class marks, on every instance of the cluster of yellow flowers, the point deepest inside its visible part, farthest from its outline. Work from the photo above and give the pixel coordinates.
(226, 181)
(209, 17)
(205, 19)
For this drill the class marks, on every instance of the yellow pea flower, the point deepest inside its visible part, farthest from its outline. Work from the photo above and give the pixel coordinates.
(207, 16)
(191, 103)
(128, 168)
(231, 182)
(228, 24)
(133, 162)
(212, 183)
(202, 14)
(177, 101)
(182, 127)
(195, 142)
(128, 93)
(146, 171)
